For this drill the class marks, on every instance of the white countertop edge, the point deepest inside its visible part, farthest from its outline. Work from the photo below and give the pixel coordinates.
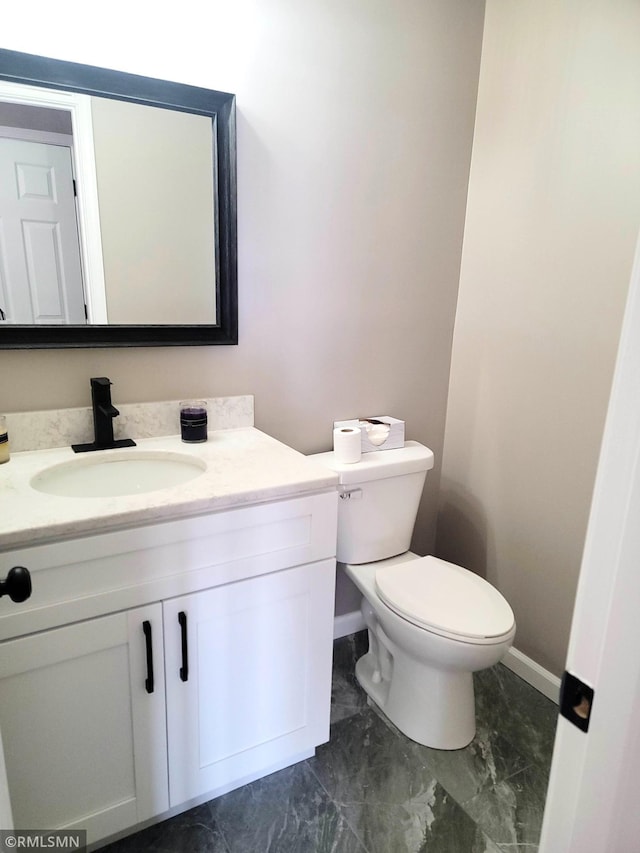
(244, 466)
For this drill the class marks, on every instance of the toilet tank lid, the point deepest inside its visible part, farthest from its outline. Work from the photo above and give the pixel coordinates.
(380, 464)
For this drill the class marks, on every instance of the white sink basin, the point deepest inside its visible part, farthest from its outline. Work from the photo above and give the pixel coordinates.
(106, 474)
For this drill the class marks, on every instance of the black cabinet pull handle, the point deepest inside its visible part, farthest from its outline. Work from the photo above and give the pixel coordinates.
(184, 669)
(17, 584)
(148, 682)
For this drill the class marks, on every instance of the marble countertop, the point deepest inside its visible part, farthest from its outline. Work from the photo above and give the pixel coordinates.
(243, 466)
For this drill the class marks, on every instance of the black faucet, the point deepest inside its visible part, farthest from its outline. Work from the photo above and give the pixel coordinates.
(103, 414)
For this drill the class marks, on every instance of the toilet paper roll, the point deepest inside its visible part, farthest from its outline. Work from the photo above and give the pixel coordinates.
(347, 445)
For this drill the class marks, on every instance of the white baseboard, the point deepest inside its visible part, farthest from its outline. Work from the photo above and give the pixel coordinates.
(348, 623)
(534, 674)
(527, 669)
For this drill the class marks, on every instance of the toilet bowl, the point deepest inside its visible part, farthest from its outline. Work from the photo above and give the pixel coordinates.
(423, 650)
(431, 623)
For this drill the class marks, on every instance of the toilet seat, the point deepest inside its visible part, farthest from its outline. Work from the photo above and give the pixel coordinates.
(444, 598)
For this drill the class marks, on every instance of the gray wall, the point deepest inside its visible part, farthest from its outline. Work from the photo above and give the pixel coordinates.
(552, 222)
(159, 165)
(354, 131)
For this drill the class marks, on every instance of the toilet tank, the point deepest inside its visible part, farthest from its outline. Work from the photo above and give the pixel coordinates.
(379, 498)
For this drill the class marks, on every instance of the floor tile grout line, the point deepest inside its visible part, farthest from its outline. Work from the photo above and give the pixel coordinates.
(430, 768)
(224, 841)
(338, 806)
(539, 763)
(498, 781)
(530, 765)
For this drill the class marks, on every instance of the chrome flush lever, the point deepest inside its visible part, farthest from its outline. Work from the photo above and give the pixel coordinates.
(347, 494)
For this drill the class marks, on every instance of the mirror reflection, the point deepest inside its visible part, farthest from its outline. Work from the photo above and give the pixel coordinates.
(155, 204)
(117, 208)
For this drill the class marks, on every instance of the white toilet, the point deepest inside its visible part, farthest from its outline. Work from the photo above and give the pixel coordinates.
(431, 623)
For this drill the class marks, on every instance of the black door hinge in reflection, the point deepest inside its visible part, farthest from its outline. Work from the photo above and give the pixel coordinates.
(576, 701)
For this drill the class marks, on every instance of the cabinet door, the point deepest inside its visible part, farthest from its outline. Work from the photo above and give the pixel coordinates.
(84, 741)
(256, 694)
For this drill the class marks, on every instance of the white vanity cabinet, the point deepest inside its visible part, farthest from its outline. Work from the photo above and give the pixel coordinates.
(156, 667)
(257, 679)
(84, 743)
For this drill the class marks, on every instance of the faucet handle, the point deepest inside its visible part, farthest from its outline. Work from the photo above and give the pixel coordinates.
(101, 380)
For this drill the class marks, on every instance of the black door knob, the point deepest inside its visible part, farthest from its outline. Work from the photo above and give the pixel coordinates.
(17, 584)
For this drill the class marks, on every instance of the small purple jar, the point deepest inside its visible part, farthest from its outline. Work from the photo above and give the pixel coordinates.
(193, 420)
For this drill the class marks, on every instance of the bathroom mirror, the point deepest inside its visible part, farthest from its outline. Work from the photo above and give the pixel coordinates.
(121, 308)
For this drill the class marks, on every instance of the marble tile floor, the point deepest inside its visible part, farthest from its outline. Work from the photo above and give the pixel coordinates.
(372, 790)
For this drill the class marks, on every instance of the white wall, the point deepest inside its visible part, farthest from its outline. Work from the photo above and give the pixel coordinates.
(355, 123)
(552, 221)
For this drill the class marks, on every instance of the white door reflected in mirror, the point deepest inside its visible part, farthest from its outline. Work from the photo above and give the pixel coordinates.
(42, 280)
(142, 227)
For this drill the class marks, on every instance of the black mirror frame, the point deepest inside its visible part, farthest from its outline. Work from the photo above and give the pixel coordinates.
(47, 73)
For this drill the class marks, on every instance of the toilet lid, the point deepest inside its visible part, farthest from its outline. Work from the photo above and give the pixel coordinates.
(438, 595)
